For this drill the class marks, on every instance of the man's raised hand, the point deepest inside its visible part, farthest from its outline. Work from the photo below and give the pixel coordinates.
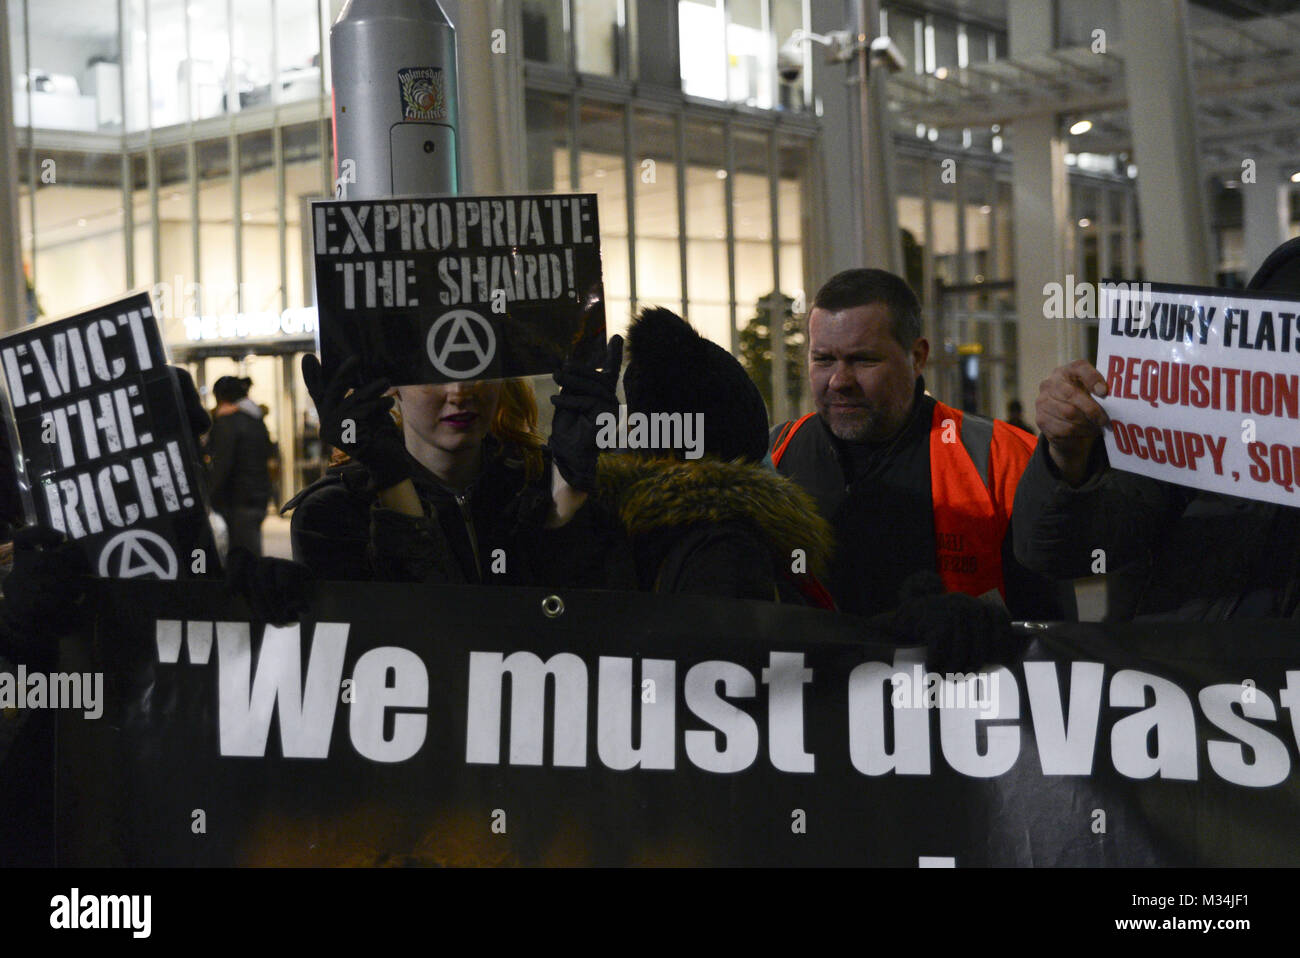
(1069, 418)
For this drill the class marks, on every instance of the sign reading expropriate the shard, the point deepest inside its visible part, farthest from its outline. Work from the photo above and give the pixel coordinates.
(431, 290)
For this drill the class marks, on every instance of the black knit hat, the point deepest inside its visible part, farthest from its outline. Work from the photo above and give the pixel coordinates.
(1280, 273)
(675, 369)
(231, 388)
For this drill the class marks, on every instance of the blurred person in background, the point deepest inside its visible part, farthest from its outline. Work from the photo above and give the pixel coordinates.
(238, 452)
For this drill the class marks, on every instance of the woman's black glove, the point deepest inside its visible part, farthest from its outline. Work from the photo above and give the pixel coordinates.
(960, 632)
(585, 393)
(277, 591)
(358, 421)
(45, 594)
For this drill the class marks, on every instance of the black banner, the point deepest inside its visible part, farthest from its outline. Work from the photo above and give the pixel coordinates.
(476, 726)
(432, 290)
(103, 447)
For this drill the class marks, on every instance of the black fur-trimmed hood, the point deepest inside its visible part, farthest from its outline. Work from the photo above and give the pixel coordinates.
(651, 494)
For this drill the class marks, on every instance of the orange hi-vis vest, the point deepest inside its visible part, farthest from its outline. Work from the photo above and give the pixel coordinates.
(975, 465)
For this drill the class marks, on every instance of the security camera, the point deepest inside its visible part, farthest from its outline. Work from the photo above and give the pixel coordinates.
(789, 61)
(885, 53)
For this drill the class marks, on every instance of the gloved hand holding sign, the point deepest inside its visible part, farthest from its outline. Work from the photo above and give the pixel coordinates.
(585, 393)
(357, 421)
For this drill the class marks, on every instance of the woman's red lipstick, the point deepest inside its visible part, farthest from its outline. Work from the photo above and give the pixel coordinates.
(460, 420)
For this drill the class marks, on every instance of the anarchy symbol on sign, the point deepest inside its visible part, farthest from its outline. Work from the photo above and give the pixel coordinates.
(143, 554)
(461, 338)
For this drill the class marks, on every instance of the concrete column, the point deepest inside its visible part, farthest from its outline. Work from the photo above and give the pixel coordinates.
(287, 427)
(492, 154)
(882, 248)
(13, 287)
(857, 147)
(1162, 111)
(841, 152)
(1266, 212)
(1040, 209)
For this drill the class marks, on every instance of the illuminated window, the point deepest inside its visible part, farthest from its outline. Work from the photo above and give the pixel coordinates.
(702, 33)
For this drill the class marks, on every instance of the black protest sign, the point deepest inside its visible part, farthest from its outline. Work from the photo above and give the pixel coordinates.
(431, 290)
(659, 729)
(104, 449)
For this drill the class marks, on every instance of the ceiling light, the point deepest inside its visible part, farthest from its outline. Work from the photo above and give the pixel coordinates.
(721, 174)
(1080, 127)
(941, 73)
(1084, 223)
(986, 209)
(1295, 177)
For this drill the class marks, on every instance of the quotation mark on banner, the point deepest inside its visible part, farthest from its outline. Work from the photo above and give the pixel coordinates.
(198, 641)
(303, 695)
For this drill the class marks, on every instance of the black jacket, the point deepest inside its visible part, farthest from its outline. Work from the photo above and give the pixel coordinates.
(706, 527)
(878, 499)
(1169, 551)
(492, 532)
(238, 448)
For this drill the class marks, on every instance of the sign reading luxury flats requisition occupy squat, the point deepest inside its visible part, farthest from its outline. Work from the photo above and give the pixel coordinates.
(1203, 388)
(101, 443)
(431, 290)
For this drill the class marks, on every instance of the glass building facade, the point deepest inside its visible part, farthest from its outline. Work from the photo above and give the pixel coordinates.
(174, 145)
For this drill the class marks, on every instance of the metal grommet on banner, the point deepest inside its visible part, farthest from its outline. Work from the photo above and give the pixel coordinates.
(552, 606)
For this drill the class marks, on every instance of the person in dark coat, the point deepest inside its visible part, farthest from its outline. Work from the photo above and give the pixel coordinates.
(463, 491)
(706, 517)
(239, 447)
(1016, 417)
(1171, 552)
(46, 598)
(649, 519)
